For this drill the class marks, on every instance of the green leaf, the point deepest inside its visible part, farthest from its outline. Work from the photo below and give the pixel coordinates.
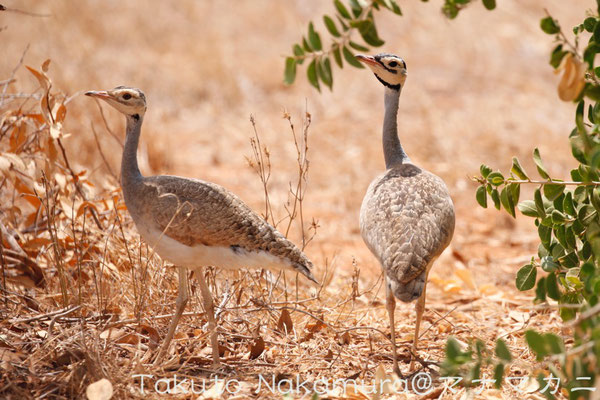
(569, 205)
(495, 197)
(597, 33)
(369, 34)
(545, 234)
(330, 25)
(536, 342)
(356, 8)
(290, 70)
(528, 208)
(314, 38)
(342, 9)
(395, 8)
(306, 46)
(540, 166)
(496, 178)
(481, 196)
(548, 264)
(552, 286)
(337, 55)
(298, 52)
(540, 290)
(539, 203)
(454, 352)
(552, 190)
(558, 217)
(311, 73)
(489, 4)
(502, 350)
(498, 374)
(350, 59)
(587, 214)
(357, 46)
(485, 170)
(518, 170)
(324, 71)
(526, 277)
(506, 198)
(589, 24)
(549, 25)
(554, 343)
(557, 55)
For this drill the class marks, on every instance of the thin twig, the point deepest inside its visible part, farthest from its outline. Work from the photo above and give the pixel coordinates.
(12, 74)
(108, 167)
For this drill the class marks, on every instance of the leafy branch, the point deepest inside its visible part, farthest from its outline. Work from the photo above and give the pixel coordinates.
(352, 16)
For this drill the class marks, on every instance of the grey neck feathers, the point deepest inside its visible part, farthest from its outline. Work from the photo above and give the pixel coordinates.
(130, 172)
(392, 149)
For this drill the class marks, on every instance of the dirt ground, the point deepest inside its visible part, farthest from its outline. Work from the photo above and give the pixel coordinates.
(479, 89)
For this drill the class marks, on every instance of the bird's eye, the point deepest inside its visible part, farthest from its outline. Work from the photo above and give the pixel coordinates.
(392, 64)
(126, 96)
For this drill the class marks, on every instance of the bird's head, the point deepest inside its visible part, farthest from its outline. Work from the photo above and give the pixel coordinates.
(389, 69)
(129, 101)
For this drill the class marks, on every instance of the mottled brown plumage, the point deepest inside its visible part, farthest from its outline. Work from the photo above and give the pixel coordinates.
(193, 223)
(407, 220)
(407, 215)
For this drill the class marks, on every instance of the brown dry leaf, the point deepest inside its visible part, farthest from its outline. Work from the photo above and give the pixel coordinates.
(573, 79)
(41, 77)
(7, 355)
(129, 338)
(315, 327)
(99, 390)
(10, 161)
(285, 323)
(113, 333)
(257, 347)
(328, 356)
(150, 332)
(345, 338)
(60, 112)
(466, 276)
(84, 206)
(46, 65)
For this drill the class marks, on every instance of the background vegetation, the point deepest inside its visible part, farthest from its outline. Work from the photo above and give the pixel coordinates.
(465, 101)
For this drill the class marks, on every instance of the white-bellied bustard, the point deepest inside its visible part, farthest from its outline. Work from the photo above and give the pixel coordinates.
(193, 223)
(407, 215)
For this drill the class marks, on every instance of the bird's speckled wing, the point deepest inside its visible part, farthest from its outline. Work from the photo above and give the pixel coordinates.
(407, 220)
(195, 212)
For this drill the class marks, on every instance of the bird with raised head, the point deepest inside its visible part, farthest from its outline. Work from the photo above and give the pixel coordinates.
(407, 215)
(193, 223)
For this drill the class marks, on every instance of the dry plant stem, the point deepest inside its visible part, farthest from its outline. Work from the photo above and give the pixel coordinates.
(12, 75)
(76, 182)
(3, 262)
(53, 230)
(110, 170)
(110, 131)
(264, 172)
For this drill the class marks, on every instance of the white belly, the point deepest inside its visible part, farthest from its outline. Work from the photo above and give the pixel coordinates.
(218, 256)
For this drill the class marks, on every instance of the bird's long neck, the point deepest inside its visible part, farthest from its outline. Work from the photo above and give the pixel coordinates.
(130, 172)
(392, 149)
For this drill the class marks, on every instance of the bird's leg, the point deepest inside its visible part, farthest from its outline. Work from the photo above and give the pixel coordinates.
(390, 304)
(182, 299)
(419, 308)
(210, 313)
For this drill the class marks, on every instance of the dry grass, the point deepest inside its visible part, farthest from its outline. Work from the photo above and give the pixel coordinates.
(204, 71)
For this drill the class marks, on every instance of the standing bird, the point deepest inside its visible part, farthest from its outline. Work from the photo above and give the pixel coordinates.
(407, 215)
(193, 223)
